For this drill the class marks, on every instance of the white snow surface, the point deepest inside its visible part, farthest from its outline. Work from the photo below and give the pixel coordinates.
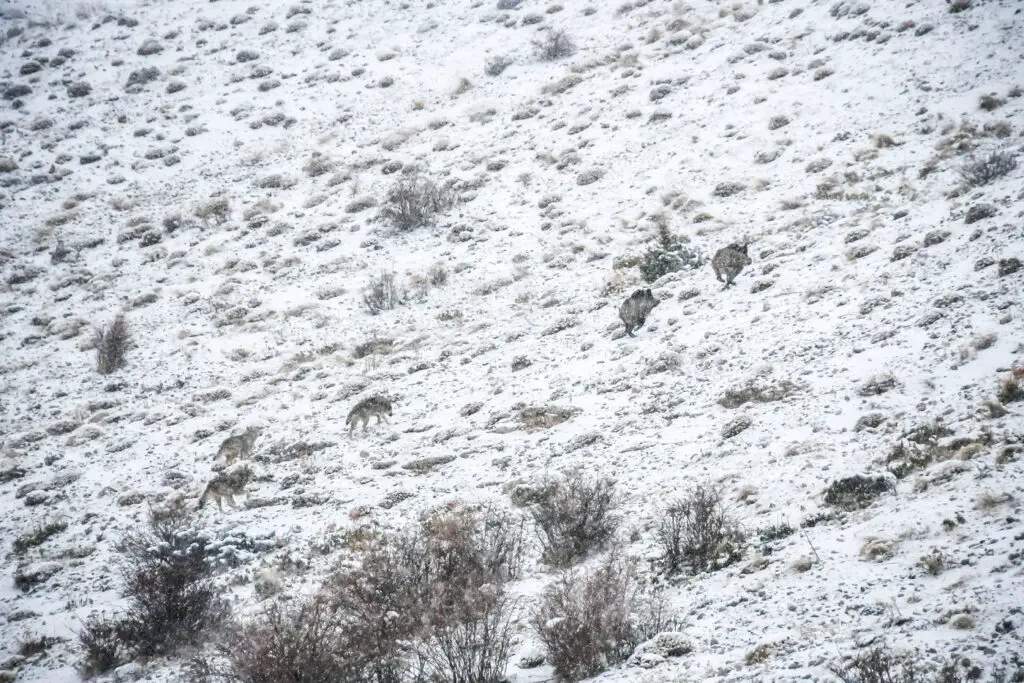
(267, 305)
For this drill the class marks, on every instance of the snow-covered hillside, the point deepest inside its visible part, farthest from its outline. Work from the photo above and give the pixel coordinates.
(216, 172)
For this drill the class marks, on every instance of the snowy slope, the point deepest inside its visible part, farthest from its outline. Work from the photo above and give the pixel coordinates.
(256, 319)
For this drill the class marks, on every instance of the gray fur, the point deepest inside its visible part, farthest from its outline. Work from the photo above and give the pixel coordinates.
(226, 485)
(378, 406)
(729, 261)
(635, 309)
(240, 445)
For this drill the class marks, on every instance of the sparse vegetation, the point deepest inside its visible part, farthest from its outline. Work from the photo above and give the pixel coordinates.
(414, 201)
(575, 516)
(979, 172)
(697, 533)
(383, 293)
(592, 621)
(852, 493)
(1010, 390)
(556, 44)
(172, 600)
(111, 342)
(37, 536)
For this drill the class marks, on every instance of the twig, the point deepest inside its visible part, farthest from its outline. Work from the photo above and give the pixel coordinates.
(803, 532)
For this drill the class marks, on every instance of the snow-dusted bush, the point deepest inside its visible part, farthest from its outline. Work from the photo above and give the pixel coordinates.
(383, 293)
(414, 201)
(668, 256)
(172, 599)
(575, 516)
(111, 343)
(592, 621)
(980, 172)
(556, 44)
(696, 532)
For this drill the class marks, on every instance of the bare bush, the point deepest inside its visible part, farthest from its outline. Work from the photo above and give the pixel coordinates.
(473, 644)
(496, 65)
(882, 665)
(696, 532)
(383, 293)
(414, 201)
(591, 622)
(318, 165)
(172, 600)
(433, 599)
(111, 342)
(169, 584)
(294, 643)
(556, 44)
(574, 517)
(219, 210)
(101, 644)
(978, 172)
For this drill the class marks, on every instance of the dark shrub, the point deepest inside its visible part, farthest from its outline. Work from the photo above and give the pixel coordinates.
(697, 533)
(590, 622)
(556, 44)
(575, 516)
(856, 492)
(414, 201)
(978, 172)
(669, 255)
(111, 342)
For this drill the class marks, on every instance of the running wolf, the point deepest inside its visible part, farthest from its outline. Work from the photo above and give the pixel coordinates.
(729, 261)
(378, 406)
(226, 485)
(634, 310)
(240, 445)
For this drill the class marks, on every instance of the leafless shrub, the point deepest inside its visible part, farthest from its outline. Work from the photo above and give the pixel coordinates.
(172, 600)
(496, 65)
(111, 342)
(383, 293)
(432, 598)
(1010, 390)
(696, 532)
(414, 201)
(556, 44)
(217, 209)
(575, 516)
(882, 665)
(590, 622)
(304, 642)
(473, 644)
(978, 172)
(318, 165)
(751, 393)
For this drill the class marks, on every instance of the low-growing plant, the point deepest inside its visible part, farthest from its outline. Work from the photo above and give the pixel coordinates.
(111, 342)
(858, 491)
(979, 172)
(414, 201)
(589, 622)
(669, 255)
(556, 44)
(697, 533)
(383, 293)
(37, 536)
(575, 516)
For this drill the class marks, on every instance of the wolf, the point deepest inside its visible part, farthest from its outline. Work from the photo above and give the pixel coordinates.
(634, 310)
(240, 445)
(226, 485)
(378, 406)
(729, 261)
